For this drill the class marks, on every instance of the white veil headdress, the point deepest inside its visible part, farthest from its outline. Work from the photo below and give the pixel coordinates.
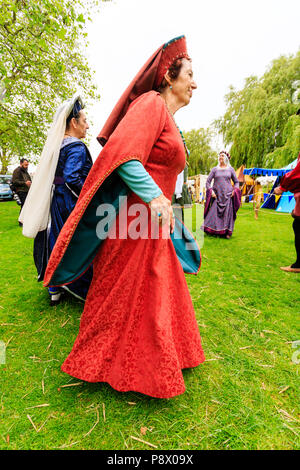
(35, 212)
(226, 159)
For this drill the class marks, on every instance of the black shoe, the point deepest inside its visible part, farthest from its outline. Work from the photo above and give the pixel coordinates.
(295, 265)
(55, 299)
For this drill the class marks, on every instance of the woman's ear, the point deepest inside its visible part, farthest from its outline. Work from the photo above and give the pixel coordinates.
(168, 78)
(73, 123)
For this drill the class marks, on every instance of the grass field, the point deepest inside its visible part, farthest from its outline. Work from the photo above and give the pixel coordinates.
(245, 396)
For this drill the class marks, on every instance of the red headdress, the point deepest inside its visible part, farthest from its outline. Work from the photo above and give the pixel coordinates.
(149, 78)
(171, 51)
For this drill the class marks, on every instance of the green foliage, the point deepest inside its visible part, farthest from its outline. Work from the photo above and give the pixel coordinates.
(244, 396)
(260, 122)
(42, 63)
(202, 156)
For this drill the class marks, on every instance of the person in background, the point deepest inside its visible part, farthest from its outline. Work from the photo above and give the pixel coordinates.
(177, 199)
(258, 198)
(21, 181)
(222, 200)
(291, 182)
(191, 193)
(181, 196)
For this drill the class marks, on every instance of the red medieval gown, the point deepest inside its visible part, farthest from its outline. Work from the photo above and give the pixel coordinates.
(138, 329)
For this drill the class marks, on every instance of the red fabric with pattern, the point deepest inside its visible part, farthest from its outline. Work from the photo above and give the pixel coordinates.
(291, 181)
(138, 329)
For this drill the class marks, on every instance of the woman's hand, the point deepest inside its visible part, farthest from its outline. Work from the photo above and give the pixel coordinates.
(214, 194)
(278, 191)
(161, 209)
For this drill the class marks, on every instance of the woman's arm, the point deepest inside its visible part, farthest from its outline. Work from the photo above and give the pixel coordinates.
(210, 178)
(278, 191)
(234, 179)
(134, 174)
(72, 172)
(137, 178)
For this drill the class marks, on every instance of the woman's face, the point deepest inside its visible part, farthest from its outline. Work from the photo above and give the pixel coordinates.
(184, 84)
(81, 126)
(222, 159)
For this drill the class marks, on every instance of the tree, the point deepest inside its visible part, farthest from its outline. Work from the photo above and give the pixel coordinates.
(42, 63)
(260, 122)
(202, 156)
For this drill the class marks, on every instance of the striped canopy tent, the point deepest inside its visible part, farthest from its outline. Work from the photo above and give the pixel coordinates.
(286, 202)
(270, 171)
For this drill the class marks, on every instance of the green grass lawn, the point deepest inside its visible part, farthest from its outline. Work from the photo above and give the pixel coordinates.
(245, 396)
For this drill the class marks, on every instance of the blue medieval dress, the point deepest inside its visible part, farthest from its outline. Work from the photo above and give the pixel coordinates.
(73, 166)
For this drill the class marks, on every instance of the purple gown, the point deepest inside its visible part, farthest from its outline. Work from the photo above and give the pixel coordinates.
(220, 212)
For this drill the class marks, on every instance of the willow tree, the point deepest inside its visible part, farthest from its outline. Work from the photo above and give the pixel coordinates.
(42, 62)
(202, 156)
(260, 122)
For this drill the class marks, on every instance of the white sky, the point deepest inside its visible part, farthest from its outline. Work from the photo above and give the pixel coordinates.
(228, 41)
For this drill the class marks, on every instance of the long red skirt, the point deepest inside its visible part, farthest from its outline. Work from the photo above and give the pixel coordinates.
(138, 329)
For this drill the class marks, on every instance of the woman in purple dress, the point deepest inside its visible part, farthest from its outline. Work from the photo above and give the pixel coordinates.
(222, 199)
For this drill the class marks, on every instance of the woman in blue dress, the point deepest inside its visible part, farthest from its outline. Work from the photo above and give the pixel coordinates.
(72, 167)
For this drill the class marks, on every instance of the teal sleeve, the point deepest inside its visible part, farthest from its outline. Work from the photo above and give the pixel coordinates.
(133, 173)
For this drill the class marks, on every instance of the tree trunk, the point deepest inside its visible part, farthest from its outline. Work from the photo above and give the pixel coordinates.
(5, 160)
(3, 169)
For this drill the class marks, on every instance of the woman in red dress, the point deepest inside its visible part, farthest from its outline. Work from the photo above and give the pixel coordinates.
(138, 329)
